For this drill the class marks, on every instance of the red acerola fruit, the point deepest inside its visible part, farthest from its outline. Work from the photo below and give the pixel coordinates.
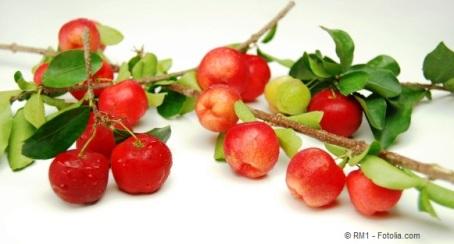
(125, 100)
(141, 166)
(259, 75)
(215, 108)
(369, 198)
(342, 115)
(104, 75)
(314, 177)
(39, 73)
(70, 35)
(103, 141)
(251, 149)
(223, 65)
(79, 179)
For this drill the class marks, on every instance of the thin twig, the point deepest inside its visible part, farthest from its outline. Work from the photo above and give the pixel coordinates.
(14, 47)
(426, 86)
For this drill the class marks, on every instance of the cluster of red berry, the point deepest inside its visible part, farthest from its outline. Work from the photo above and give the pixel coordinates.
(252, 148)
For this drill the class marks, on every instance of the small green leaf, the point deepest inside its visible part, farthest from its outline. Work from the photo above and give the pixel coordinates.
(353, 82)
(172, 105)
(375, 109)
(449, 84)
(22, 83)
(155, 99)
(164, 66)
(440, 195)
(301, 69)
(386, 175)
(57, 135)
(397, 122)
(6, 123)
(188, 105)
(133, 61)
(355, 159)
(438, 65)
(374, 148)
(288, 139)
(56, 102)
(424, 204)
(146, 67)
(331, 66)
(383, 82)
(316, 65)
(385, 62)
(219, 148)
(337, 150)
(69, 107)
(284, 62)
(189, 79)
(344, 46)
(109, 35)
(68, 69)
(270, 35)
(123, 72)
(162, 134)
(34, 111)
(20, 131)
(243, 112)
(309, 119)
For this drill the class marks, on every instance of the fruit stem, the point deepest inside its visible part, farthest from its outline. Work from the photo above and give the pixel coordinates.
(92, 136)
(138, 142)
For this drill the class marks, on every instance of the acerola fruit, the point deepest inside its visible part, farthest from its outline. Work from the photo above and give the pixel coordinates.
(141, 166)
(104, 75)
(259, 75)
(342, 115)
(251, 149)
(223, 65)
(287, 95)
(79, 179)
(369, 198)
(215, 108)
(70, 35)
(125, 100)
(103, 141)
(314, 177)
(39, 73)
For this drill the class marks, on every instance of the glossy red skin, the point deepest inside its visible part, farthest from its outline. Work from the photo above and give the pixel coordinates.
(369, 198)
(251, 149)
(125, 100)
(71, 33)
(39, 73)
(314, 177)
(79, 180)
(141, 169)
(105, 73)
(103, 142)
(223, 65)
(342, 115)
(215, 108)
(259, 75)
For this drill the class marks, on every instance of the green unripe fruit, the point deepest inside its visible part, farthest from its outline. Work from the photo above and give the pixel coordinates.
(287, 95)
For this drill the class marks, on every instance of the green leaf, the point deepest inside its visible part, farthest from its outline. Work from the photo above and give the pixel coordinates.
(301, 69)
(188, 105)
(316, 65)
(397, 122)
(336, 150)
(424, 204)
(6, 123)
(440, 195)
(219, 148)
(155, 99)
(68, 69)
(353, 82)
(189, 79)
(164, 66)
(438, 65)
(289, 141)
(449, 84)
(146, 67)
(243, 112)
(269, 58)
(133, 61)
(270, 35)
(386, 175)
(383, 82)
(123, 72)
(172, 105)
(162, 134)
(344, 46)
(34, 111)
(309, 119)
(331, 66)
(56, 102)
(69, 107)
(109, 35)
(57, 135)
(375, 109)
(385, 62)
(20, 131)
(22, 83)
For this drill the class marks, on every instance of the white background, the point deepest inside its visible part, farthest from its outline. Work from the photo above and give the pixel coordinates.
(203, 201)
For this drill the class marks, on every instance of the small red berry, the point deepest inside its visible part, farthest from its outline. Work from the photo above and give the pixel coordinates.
(314, 177)
(342, 115)
(70, 35)
(125, 100)
(141, 166)
(79, 179)
(103, 141)
(251, 149)
(369, 198)
(104, 75)
(259, 75)
(39, 73)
